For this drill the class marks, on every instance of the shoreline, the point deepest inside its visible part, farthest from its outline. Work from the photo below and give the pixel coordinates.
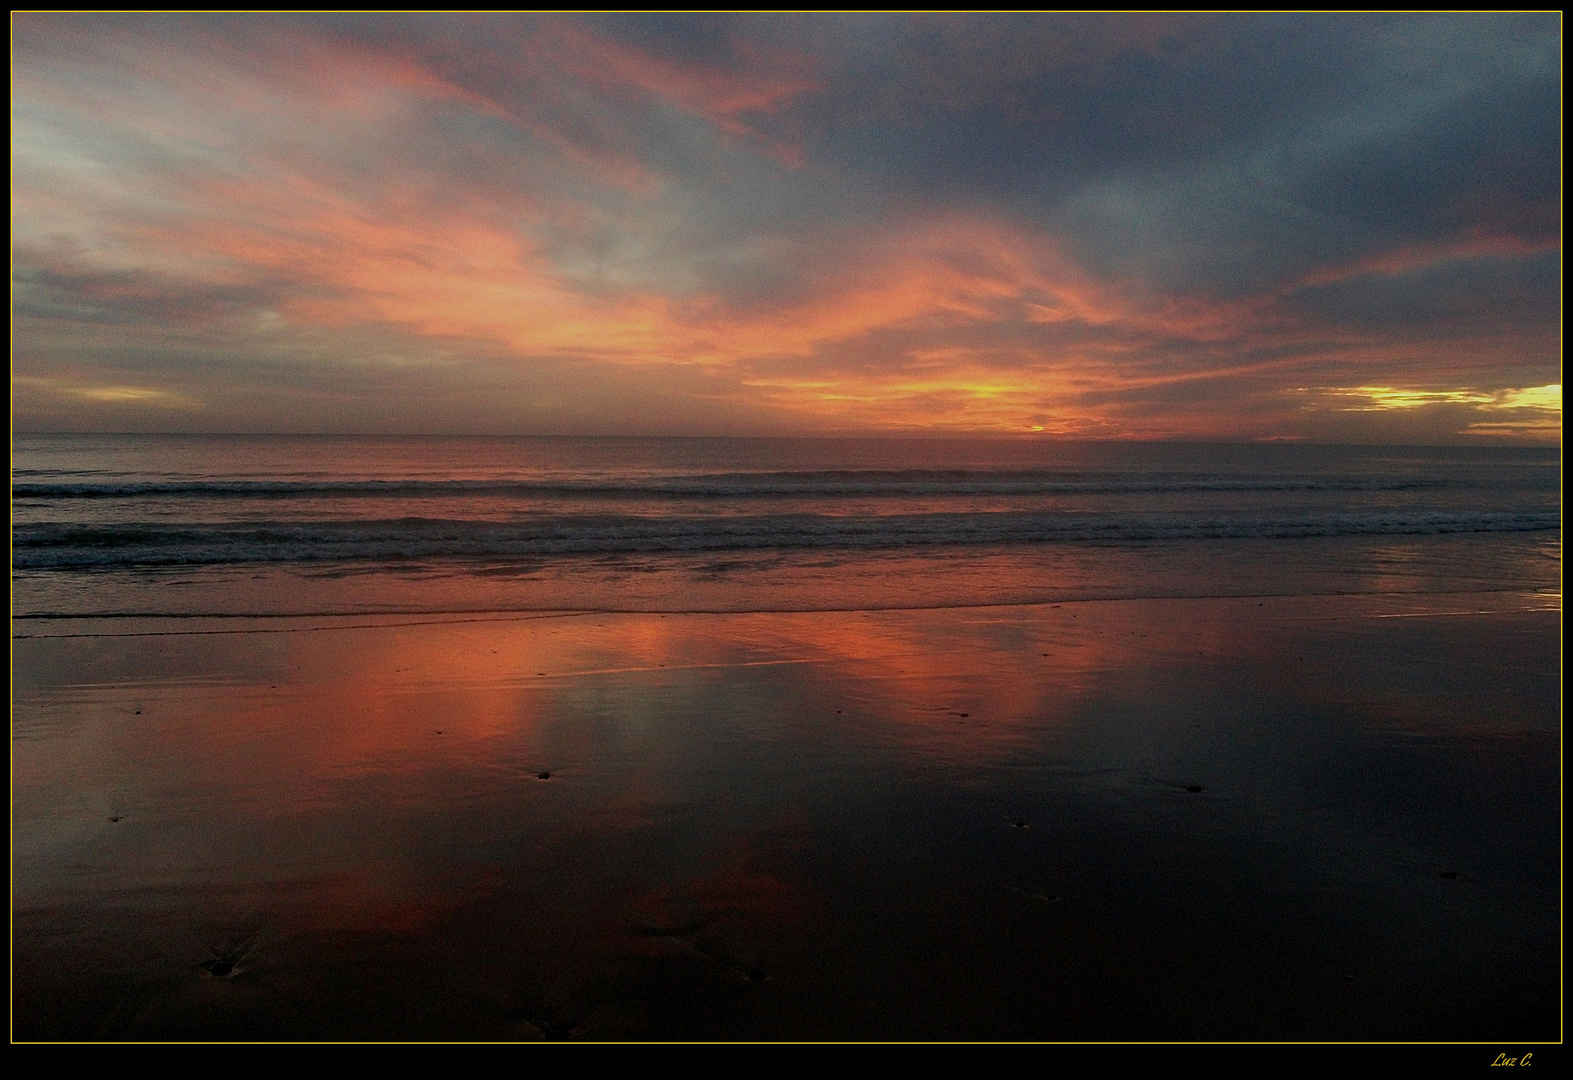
(505, 614)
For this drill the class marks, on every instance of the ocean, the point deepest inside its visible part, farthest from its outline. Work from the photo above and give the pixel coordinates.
(118, 525)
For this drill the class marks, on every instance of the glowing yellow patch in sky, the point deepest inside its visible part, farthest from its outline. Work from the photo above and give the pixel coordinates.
(1389, 397)
(1534, 397)
(1536, 429)
(113, 395)
(125, 393)
(1379, 398)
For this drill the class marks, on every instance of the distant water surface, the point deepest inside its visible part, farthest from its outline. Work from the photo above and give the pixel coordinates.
(291, 524)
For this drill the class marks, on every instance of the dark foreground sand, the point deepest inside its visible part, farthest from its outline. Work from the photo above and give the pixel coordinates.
(1306, 818)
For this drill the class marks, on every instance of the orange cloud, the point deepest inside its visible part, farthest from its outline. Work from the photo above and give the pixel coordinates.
(1410, 258)
(725, 99)
(459, 274)
(462, 277)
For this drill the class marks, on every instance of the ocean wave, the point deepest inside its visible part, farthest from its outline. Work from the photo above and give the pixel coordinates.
(68, 546)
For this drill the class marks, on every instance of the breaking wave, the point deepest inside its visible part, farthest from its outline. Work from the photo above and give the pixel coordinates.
(48, 545)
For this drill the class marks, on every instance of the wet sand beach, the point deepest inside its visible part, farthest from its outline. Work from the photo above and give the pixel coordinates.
(1304, 817)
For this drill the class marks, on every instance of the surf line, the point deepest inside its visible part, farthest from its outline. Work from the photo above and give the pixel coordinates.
(527, 616)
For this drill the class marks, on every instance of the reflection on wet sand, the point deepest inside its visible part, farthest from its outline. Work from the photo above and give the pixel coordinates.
(894, 824)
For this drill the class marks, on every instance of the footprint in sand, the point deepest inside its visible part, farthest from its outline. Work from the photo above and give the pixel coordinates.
(551, 1026)
(225, 963)
(227, 955)
(689, 933)
(1047, 898)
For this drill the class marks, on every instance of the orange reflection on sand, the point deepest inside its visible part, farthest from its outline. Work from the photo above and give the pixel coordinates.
(406, 701)
(961, 685)
(1011, 670)
(334, 754)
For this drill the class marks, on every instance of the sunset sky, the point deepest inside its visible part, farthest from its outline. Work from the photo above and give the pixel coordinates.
(1339, 228)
